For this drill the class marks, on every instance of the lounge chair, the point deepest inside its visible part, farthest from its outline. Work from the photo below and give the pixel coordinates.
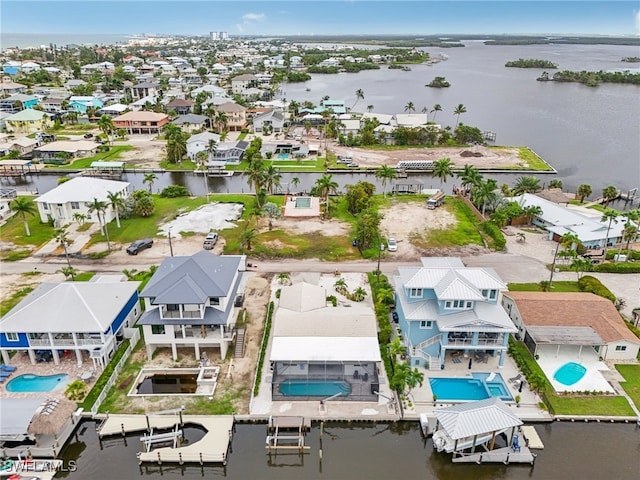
(5, 374)
(8, 368)
(516, 378)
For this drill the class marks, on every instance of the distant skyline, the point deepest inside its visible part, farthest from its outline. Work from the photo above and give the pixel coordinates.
(329, 17)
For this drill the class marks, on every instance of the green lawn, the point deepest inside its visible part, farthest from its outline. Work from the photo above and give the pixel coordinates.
(185, 165)
(535, 287)
(631, 385)
(9, 302)
(465, 232)
(13, 231)
(110, 156)
(616, 406)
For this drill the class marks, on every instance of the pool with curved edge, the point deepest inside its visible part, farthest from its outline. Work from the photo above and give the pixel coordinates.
(569, 373)
(37, 383)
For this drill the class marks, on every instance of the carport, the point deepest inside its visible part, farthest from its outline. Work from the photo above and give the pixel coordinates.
(559, 336)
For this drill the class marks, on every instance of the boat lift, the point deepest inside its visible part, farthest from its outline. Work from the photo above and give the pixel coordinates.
(174, 437)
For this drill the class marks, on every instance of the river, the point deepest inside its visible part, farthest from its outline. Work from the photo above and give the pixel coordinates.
(354, 451)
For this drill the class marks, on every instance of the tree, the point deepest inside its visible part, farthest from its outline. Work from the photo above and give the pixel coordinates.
(255, 175)
(201, 157)
(580, 265)
(569, 241)
(100, 208)
(116, 202)
(105, 123)
(144, 203)
(609, 193)
(326, 186)
(24, 206)
(459, 110)
(367, 228)
(63, 239)
(359, 294)
(436, 108)
(150, 178)
(442, 169)
(369, 108)
(555, 183)
(584, 191)
(295, 181)
(359, 197)
(247, 236)
(359, 96)
(630, 232)
(272, 178)
(80, 218)
(470, 177)
(340, 285)
(611, 216)
(130, 274)
(531, 212)
(410, 107)
(385, 173)
(526, 184)
(69, 272)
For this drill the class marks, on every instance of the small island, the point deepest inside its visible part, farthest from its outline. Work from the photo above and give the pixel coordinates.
(592, 79)
(438, 82)
(631, 59)
(530, 63)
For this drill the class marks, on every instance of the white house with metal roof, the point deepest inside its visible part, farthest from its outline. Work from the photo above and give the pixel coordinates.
(76, 196)
(190, 303)
(444, 307)
(69, 318)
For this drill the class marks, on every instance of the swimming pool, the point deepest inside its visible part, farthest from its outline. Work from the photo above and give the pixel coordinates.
(314, 388)
(36, 383)
(570, 373)
(283, 156)
(475, 388)
(303, 202)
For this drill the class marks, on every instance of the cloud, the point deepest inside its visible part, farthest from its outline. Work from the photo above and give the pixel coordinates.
(254, 17)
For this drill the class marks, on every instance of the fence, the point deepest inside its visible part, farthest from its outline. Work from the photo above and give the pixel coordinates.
(133, 340)
(472, 207)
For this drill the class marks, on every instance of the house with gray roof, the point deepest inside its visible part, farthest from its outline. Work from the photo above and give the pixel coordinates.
(189, 303)
(271, 120)
(200, 143)
(85, 319)
(190, 122)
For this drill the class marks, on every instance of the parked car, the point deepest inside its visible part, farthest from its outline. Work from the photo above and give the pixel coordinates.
(210, 240)
(239, 300)
(392, 245)
(138, 245)
(88, 135)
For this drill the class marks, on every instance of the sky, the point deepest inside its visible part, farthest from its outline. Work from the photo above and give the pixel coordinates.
(321, 17)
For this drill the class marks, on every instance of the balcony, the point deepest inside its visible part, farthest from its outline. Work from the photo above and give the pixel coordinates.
(466, 340)
(64, 340)
(177, 314)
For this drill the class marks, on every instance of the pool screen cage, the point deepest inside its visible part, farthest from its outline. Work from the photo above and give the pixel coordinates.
(361, 377)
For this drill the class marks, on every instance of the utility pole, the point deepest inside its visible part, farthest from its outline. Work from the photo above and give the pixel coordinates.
(170, 245)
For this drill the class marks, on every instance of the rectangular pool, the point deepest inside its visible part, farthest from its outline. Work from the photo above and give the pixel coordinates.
(303, 202)
(475, 388)
(314, 388)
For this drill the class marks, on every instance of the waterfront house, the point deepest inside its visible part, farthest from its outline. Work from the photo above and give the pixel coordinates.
(76, 196)
(574, 318)
(558, 220)
(272, 120)
(444, 307)
(189, 303)
(28, 121)
(240, 83)
(52, 104)
(22, 145)
(313, 342)
(236, 115)
(200, 143)
(230, 152)
(148, 123)
(70, 148)
(18, 102)
(69, 318)
(113, 110)
(81, 104)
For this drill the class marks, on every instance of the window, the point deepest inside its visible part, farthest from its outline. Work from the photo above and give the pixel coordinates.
(621, 348)
(469, 305)
(173, 307)
(214, 301)
(485, 293)
(12, 337)
(447, 304)
(415, 293)
(75, 206)
(157, 329)
(45, 206)
(458, 304)
(493, 294)
(426, 324)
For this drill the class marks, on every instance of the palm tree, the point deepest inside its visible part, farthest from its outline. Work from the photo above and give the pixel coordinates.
(359, 294)
(326, 185)
(436, 108)
(442, 169)
(410, 107)
(24, 206)
(100, 208)
(116, 202)
(106, 125)
(609, 215)
(369, 108)
(63, 240)
(470, 177)
(150, 178)
(359, 96)
(284, 278)
(584, 190)
(255, 175)
(272, 178)
(531, 212)
(201, 158)
(459, 110)
(80, 218)
(580, 265)
(630, 232)
(295, 181)
(69, 272)
(609, 193)
(385, 173)
(247, 236)
(340, 285)
(568, 240)
(525, 184)
(130, 274)
(222, 120)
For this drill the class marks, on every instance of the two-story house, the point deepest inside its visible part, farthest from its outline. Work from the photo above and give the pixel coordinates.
(444, 307)
(146, 123)
(236, 116)
(85, 319)
(190, 302)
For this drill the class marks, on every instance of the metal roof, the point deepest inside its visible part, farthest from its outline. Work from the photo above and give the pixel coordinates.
(82, 189)
(16, 415)
(476, 418)
(565, 336)
(302, 297)
(325, 349)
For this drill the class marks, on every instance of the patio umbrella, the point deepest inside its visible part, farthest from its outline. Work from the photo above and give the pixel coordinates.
(52, 424)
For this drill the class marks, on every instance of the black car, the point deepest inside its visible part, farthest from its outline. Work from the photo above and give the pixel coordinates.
(138, 245)
(88, 135)
(394, 315)
(239, 300)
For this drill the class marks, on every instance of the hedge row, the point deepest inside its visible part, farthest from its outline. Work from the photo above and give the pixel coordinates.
(536, 378)
(263, 349)
(491, 229)
(620, 267)
(382, 315)
(591, 284)
(631, 254)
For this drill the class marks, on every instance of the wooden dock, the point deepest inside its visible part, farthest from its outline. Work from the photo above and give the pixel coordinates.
(500, 455)
(287, 433)
(531, 437)
(123, 424)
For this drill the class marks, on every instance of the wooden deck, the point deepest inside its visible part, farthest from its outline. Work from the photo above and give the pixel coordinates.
(500, 455)
(530, 435)
(123, 424)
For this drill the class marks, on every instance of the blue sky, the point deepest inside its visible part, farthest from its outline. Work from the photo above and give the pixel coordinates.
(240, 17)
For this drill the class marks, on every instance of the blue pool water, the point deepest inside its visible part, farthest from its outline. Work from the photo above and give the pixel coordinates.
(36, 383)
(283, 156)
(314, 388)
(570, 373)
(303, 202)
(476, 388)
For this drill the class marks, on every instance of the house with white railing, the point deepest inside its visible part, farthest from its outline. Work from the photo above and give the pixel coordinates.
(445, 308)
(82, 319)
(190, 302)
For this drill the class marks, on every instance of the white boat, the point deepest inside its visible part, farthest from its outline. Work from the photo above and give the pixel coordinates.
(444, 443)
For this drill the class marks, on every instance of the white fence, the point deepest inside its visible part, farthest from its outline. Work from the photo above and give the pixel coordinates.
(133, 340)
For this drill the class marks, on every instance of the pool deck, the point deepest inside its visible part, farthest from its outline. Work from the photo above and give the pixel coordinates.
(291, 210)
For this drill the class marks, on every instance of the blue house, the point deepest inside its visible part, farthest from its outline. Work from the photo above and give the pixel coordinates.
(82, 318)
(445, 308)
(80, 104)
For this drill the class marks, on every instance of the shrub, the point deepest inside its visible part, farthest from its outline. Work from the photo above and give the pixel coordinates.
(174, 191)
(76, 390)
(104, 377)
(591, 284)
(333, 300)
(620, 267)
(495, 233)
(263, 349)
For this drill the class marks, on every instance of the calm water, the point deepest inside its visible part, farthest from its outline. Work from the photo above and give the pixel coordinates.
(368, 451)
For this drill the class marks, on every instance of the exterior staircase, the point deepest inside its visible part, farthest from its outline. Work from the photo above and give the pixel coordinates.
(239, 348)
(434, 364)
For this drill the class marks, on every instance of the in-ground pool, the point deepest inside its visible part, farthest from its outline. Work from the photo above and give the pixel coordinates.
(570, 373)
(314, 388)
(303, 202)
(37, 383)
(476, 388)
(177, 383)
(282, 156)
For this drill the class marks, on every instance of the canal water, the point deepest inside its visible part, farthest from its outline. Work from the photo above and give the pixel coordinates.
(353, 451)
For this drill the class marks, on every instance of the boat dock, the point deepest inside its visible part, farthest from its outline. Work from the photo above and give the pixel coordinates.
(212, 448)
(531, 437)
(504, 455)
(287, 433)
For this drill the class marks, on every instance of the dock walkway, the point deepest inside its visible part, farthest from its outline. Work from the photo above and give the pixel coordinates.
(504, 455)
(531, 436)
